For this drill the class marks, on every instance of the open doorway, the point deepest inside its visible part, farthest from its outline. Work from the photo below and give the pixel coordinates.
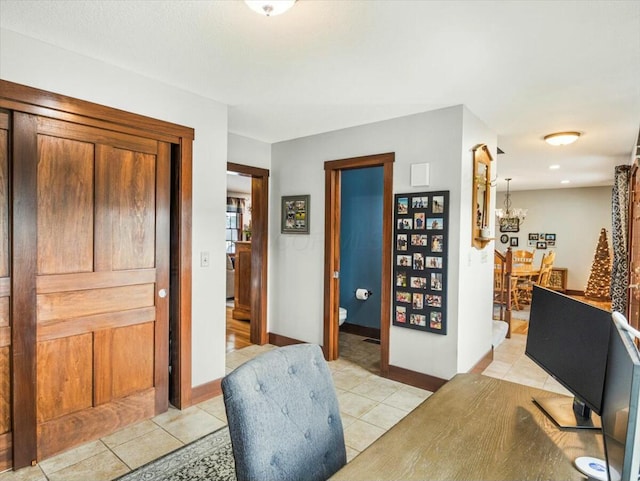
(247, 233)
(333, 215)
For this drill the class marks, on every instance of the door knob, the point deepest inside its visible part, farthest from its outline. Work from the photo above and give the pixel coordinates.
(162, 293)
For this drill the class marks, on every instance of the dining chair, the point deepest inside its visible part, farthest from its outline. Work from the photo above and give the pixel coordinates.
(546, 266)
(521, 274)
(283, 416)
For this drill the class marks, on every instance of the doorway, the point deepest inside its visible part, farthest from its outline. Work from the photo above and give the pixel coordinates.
(333, 214)
(255, 254)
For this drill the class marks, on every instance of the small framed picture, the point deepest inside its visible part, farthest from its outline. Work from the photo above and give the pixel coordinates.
(509, 225)
(401, 242)
(403, 205)
(504, 238)
(550, 237)
(513, 242)
(541, 245)
(295, 214)
(533, 237)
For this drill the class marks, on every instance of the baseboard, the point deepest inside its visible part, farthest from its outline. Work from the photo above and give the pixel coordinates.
(416, 379)
(206, 391)
(278, 340)
(358, 330)
(483, 363)
(571, 292)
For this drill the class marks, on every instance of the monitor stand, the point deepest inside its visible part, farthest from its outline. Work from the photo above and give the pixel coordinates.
(561, 411)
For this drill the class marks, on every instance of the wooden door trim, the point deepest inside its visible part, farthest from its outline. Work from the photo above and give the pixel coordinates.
(23, 275)
(24, 100)
(259, 248)
(332, 250)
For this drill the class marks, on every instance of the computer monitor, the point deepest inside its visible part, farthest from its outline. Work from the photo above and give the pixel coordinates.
(569, 339)
(620, 404)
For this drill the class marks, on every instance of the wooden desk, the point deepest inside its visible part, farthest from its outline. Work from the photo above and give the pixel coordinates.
(475, 427)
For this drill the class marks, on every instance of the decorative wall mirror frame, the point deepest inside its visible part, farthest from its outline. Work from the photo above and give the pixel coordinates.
(480, 219)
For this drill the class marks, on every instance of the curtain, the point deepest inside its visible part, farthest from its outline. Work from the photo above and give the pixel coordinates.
(235, 204)
(619, 234)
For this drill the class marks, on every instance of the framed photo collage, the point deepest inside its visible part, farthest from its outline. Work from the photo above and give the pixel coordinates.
(420, 261)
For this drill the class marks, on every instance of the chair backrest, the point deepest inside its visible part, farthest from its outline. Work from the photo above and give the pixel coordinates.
(546, 266)
(283, 415)
(522, 260)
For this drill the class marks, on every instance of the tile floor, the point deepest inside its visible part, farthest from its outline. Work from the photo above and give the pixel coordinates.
(369, 404)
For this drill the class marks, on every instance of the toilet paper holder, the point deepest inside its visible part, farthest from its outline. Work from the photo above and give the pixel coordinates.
(359, 294)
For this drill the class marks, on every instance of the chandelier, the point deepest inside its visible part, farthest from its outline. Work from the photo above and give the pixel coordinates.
(510, 218)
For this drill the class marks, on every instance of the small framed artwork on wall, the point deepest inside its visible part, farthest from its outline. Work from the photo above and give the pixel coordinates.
(295, 214)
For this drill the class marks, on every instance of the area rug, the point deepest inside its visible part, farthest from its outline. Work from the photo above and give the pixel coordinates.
(208, 458)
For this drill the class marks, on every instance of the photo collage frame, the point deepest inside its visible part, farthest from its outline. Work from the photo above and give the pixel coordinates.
(420, 261)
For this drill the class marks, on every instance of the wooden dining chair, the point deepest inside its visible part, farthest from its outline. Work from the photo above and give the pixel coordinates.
(546, 266)
(522, 274)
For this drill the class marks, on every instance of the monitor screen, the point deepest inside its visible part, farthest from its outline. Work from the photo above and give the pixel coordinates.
(569, 339)
(620, 423)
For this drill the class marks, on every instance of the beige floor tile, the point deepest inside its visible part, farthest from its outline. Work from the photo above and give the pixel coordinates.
(189, 424)
(347, 420)
(384, 416)
(153, 445)
(73, 456)
(351, 453)
(129, 433)
(554, 386)
(236, 358)
(360, 435)
(215, 407)
(497, 369)
(524, 379)
(346, 380)
(102, 467)
(405, 400)
(354, 404)
(30, 473)
(377, 391)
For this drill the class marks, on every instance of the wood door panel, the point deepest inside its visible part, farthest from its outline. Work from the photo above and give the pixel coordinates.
(5, 391)
(65, 206)
(125, 228)
(5, 290)
(90, 424)
(81, 325)
(4, 203)
(65, 376)
(72, 304)
(132, 359)
(93, 280)
(6, 451)
(84, 133)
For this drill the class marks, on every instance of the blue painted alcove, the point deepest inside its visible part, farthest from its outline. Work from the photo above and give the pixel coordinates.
(361, 243)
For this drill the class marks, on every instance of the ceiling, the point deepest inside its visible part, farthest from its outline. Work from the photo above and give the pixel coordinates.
(526, 68)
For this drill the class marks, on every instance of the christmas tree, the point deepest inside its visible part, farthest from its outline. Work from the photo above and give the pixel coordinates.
(600, 277)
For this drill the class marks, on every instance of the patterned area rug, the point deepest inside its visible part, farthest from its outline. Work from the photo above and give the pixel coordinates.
(208, 458)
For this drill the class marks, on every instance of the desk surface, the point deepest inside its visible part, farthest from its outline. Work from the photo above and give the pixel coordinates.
(475, 427)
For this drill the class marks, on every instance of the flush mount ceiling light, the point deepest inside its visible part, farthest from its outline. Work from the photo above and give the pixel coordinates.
(562, 138)
(270, 7)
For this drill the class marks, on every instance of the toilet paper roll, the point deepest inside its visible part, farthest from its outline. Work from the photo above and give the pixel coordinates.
(362, 294)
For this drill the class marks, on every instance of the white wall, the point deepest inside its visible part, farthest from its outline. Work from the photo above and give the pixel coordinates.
(246, 151)
(30, 62)
(296, 261)
(575, 216)
(475, 266)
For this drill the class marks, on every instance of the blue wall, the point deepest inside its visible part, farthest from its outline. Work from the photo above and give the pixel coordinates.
(361, 243)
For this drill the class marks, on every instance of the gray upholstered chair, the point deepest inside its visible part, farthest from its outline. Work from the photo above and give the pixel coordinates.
(283, 416)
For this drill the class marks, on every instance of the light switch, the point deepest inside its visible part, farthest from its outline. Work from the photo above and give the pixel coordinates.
(204, 259)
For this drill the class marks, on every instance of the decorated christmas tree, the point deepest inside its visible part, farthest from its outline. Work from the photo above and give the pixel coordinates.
(600, 276)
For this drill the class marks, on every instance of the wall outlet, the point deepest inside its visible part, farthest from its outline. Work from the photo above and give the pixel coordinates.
(204, 259)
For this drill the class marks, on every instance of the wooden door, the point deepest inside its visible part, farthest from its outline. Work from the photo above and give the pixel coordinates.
(98, 204)
(5, 283)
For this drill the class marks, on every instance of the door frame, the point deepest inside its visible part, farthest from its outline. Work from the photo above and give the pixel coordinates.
(259, 248)
(332, 211)
(21, 98)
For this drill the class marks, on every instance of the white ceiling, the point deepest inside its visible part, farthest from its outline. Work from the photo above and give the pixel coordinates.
(526, 68)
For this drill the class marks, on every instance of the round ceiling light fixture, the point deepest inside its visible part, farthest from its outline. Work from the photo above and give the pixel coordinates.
(562, 138)
(270, 8)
